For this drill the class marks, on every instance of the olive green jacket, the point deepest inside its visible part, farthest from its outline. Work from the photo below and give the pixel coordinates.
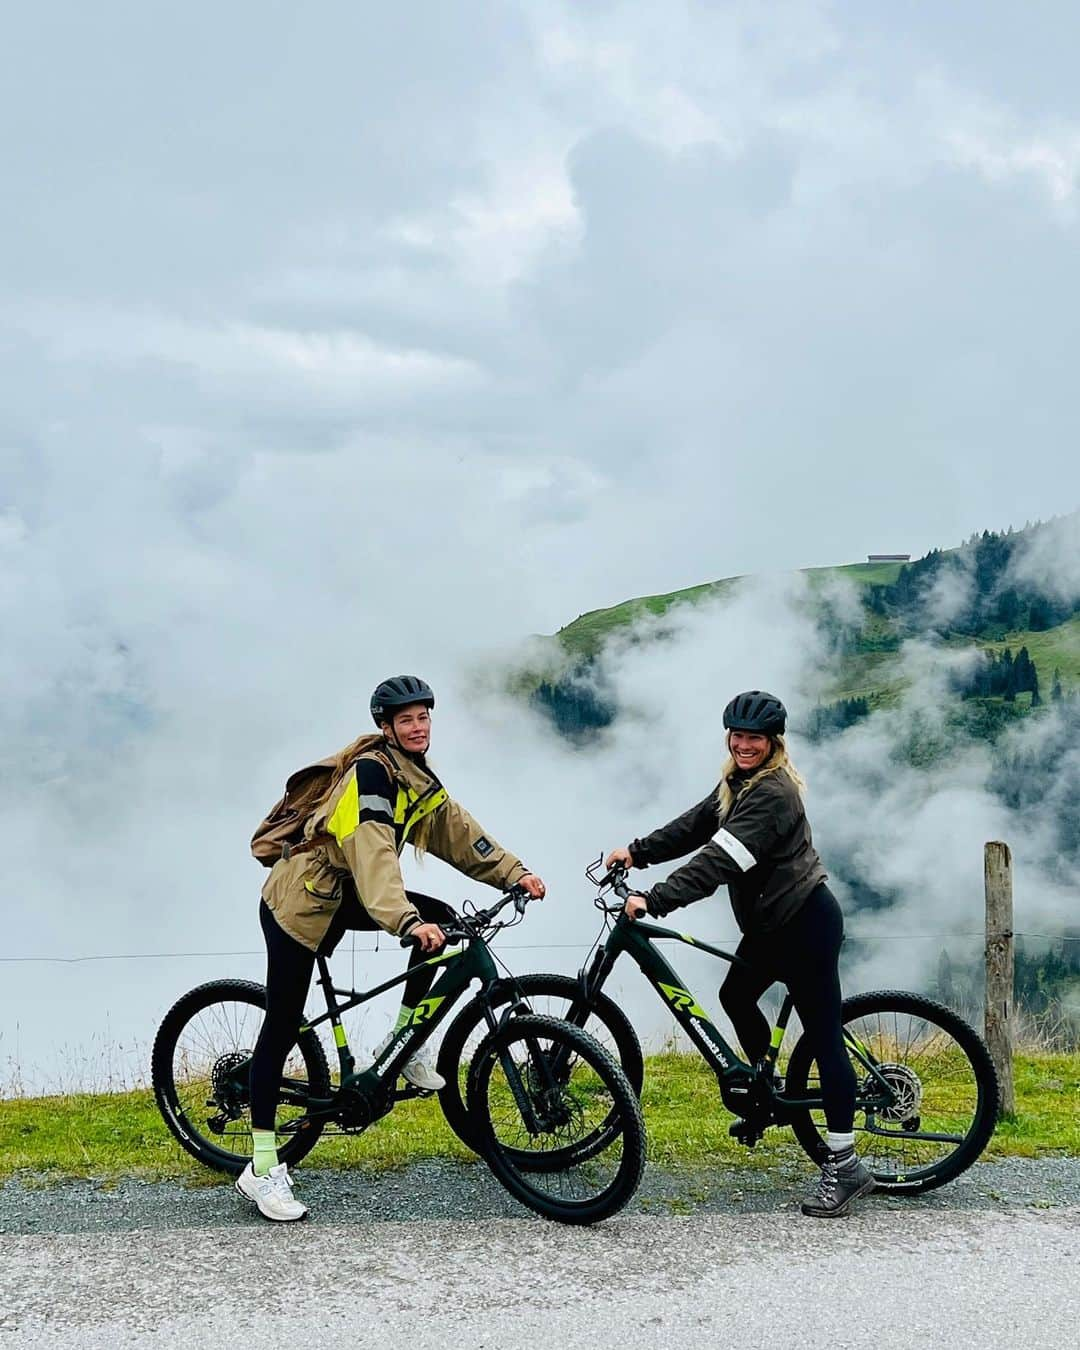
(374, 808)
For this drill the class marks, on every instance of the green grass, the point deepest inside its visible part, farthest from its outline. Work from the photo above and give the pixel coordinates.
(871, 671)
(1055, 648)
(588, 632)
(112, 1136)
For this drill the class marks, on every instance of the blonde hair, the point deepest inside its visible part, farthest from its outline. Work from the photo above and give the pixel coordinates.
(420, 837)
(777, 762)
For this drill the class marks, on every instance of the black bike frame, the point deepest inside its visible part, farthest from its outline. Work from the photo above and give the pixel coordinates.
(636, 940)
(460, 966)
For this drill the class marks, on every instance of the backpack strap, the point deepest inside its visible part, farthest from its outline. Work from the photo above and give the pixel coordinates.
(321, 840)
(316, 841)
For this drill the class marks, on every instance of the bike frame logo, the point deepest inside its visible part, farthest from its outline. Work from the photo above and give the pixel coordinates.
(425, 1010)
(682, 1000)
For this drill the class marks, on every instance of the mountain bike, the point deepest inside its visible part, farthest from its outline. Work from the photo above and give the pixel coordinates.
(537, 1086)
(927, 1092)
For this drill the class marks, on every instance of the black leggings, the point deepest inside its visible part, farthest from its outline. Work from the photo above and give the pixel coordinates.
(803, 954)
(289, 967)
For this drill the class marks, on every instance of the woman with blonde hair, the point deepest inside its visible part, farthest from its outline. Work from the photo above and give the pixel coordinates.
(754, 837)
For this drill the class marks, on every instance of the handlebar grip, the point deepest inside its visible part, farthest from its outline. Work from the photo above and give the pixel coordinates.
(450, 934)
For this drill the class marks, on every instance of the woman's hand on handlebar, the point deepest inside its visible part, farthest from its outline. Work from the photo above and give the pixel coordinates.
(531, 883)
(620, 856)
(429, 936)
(635, 906)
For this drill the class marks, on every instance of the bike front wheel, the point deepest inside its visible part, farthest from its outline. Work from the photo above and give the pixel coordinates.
(926, 1097)
(558, 996)
(199, 1067)
(525, 1115)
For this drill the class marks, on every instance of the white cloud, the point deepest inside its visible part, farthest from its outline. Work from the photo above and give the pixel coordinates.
(573, 304)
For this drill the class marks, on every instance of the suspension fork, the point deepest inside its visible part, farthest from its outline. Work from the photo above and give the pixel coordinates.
(593, 977)
(590, 983)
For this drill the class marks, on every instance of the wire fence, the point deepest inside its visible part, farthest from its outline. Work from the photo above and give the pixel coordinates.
(388, 950)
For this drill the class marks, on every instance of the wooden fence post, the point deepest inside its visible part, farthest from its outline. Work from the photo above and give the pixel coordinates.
(1000, 965)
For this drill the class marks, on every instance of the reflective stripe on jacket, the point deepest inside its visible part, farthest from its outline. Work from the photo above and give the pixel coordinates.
(762, 851)
(366, 822)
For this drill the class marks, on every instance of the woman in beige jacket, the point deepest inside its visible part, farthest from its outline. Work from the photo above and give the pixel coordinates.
(346, 875)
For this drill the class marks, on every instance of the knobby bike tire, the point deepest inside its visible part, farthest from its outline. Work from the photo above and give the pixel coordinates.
(185, 1101)
(563, 988)
(965, 1043)
(540, 1190)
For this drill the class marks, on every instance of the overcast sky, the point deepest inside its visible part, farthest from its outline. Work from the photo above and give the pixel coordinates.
(343, 339)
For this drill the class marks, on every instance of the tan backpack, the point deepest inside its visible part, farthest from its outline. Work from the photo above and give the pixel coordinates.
(281, 833)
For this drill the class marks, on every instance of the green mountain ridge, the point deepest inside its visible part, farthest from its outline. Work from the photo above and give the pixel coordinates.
(1000, 616)
(586, 635)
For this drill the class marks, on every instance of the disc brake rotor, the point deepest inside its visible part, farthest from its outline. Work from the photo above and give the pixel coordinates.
(554, 1105)
(907, 1088)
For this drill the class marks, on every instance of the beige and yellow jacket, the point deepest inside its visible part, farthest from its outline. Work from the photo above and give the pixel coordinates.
(360, 831)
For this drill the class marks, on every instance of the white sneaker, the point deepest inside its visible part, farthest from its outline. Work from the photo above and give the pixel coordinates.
(272, 1193)
(420, 1071)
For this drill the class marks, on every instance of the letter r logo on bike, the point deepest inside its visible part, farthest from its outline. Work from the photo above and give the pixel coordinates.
(425, 1010)
(683, 1001)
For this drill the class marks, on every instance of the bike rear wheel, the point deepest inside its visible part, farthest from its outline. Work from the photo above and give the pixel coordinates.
(525, 1116)
(556, 996)
(944, 1091)
(199, 1069)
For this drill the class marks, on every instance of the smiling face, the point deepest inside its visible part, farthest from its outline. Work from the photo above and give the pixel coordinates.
(411, 728)
(749, 749)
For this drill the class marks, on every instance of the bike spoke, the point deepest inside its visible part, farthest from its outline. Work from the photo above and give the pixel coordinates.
(935, 1087)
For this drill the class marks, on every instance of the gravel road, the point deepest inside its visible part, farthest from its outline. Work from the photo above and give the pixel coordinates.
(437, 1256)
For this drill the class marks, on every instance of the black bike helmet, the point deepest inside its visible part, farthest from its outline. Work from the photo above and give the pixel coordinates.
(400, 691)
(756, 711)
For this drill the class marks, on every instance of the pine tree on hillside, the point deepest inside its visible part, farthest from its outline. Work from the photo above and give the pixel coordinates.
(1055, 688)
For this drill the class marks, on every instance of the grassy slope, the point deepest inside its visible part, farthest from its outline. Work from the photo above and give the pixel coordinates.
(869, 673)
(873, 674)
(114, 1136)
(586, 635)
(1058, 647)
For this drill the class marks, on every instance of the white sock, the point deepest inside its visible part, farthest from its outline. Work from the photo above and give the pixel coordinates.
(840, 1143)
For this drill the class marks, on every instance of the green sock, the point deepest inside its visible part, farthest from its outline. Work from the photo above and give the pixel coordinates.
(265, 1151)
(404, 1017)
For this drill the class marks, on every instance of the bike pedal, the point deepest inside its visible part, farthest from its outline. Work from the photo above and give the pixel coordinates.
(747, 1132)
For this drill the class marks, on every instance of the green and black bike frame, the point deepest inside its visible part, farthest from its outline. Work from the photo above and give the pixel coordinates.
(460, 966)
(740, 1083)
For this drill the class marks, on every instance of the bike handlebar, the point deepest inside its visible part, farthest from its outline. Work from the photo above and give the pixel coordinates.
(614, 879)
(471, 925)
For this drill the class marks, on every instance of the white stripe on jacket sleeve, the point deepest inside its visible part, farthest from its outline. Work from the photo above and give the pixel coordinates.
(735, 849)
